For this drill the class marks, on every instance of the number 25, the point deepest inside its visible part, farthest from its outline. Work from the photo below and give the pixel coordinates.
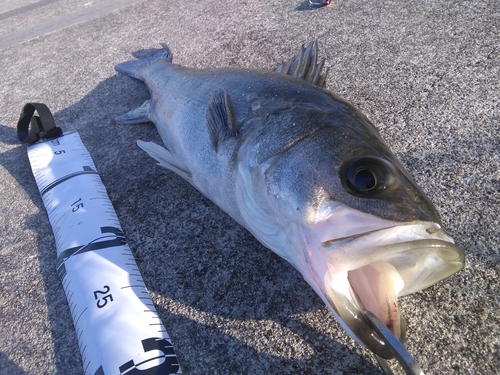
(101, 302)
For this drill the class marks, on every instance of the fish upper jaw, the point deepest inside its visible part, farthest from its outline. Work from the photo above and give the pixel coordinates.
(370, 270)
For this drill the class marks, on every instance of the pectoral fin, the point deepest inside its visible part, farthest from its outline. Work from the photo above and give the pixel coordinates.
(220, 120)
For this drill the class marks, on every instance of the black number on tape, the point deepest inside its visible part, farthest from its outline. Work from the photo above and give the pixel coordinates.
(103, 300)
(170, 365)
(78, 206)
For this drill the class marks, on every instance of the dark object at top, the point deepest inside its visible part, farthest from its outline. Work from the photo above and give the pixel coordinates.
(319, 3)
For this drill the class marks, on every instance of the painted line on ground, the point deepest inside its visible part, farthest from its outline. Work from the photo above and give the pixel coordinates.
(61, 22)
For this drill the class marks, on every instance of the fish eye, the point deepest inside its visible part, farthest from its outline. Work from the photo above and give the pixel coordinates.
(364, 180)
(367, 176)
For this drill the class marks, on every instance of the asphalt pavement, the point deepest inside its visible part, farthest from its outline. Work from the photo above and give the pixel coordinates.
(425, 72)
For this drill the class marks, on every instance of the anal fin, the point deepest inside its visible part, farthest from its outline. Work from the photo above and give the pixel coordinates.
(137, 115)
(165, 159)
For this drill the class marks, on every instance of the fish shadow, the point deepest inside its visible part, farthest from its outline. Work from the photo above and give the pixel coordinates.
(9, 367)
(145, 53)
(229, 304)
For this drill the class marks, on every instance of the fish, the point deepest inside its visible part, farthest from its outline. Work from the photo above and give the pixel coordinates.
(307, 174)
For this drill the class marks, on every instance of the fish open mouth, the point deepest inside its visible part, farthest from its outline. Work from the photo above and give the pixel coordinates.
(368, 272)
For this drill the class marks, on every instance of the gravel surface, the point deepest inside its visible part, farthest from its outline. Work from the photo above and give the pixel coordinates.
(425, 72)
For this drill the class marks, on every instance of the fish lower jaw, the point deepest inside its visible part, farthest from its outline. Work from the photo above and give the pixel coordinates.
(350, 294)
(370, 271)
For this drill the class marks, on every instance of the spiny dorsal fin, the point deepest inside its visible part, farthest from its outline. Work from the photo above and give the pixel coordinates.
(220, 120)
(306, 66)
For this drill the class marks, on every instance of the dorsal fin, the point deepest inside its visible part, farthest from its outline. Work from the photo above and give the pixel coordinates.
(306, 66)
(220, 120)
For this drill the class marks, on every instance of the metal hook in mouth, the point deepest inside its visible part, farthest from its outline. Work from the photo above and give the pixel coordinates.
(405, 359)
(390, 341)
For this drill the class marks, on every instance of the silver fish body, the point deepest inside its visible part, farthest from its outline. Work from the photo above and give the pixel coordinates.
(307, 174)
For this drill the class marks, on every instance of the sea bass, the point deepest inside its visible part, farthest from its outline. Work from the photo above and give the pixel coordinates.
(307, 174)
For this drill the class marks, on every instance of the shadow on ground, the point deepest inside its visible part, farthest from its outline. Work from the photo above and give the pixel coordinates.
(245, 302)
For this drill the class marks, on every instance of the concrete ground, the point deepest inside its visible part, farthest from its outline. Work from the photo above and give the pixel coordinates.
(425, 72)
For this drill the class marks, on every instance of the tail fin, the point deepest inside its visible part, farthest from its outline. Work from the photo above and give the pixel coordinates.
(132, 68)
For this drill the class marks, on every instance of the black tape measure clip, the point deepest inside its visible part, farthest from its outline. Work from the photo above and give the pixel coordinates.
(31, 128)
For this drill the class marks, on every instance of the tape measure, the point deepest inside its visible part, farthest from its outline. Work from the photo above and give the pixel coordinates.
(118, 328)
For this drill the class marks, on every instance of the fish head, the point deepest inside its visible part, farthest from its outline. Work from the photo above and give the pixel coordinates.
(350, 218)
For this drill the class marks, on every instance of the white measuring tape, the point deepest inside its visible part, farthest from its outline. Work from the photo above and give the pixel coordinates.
(118, 328)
